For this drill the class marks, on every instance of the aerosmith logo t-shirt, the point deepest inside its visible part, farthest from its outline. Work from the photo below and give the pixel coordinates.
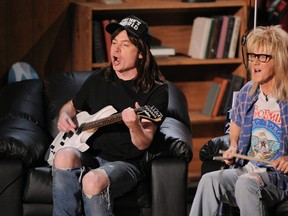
(266, 131)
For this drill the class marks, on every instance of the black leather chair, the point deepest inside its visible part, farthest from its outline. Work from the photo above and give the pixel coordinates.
(28, 116)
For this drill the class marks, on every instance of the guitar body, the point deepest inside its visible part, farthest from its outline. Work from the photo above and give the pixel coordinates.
(63, 140)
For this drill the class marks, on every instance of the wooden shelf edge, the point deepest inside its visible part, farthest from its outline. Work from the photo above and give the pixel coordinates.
(176, 61)
(160, 5)
(180, 60)
(194, 176)
(196, 117)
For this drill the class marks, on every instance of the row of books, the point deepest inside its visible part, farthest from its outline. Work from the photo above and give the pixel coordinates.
(220, 94)
(102, 42)
(214, 37)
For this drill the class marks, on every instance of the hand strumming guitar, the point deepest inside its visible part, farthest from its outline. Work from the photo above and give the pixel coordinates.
(65, 122)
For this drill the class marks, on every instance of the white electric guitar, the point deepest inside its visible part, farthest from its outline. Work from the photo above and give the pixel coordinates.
(88, 124)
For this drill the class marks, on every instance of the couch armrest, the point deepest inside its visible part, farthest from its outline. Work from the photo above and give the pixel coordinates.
(24, 140)
(169, 187)
(173, 140)
(211, 149)
(22, 122)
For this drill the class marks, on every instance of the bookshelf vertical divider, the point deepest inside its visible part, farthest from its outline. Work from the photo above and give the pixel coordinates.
(171, 22)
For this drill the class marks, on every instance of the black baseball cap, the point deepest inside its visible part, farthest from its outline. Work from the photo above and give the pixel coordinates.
(133, 25)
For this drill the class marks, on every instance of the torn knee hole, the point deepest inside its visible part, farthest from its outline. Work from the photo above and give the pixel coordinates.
(255, 177)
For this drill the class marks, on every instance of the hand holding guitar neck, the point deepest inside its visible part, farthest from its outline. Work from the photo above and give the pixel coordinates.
(245, 157)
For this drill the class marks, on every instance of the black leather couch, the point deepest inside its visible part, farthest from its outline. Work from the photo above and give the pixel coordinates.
(28, 116)
(207, 153)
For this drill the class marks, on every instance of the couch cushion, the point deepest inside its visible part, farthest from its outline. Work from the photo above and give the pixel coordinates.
(38, 188)
(137, 197)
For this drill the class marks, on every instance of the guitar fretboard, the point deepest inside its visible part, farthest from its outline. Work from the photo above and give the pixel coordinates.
(102, 122)
(147, 112)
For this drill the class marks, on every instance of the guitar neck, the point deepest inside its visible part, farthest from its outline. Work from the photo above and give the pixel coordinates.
(146, 112)
(101, 122)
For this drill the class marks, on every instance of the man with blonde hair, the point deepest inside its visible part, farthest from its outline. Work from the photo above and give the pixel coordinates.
(259, 129)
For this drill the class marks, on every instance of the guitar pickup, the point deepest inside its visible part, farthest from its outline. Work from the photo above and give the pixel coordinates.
(79, 129)
(67, 135)
(70, 134)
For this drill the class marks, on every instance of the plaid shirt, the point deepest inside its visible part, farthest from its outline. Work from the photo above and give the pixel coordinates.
(242, 115)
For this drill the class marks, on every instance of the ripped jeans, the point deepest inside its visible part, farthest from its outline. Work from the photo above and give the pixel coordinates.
(248, 188)
(68, 198)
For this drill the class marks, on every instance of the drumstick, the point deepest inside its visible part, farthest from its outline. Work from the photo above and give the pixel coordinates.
(245, 157)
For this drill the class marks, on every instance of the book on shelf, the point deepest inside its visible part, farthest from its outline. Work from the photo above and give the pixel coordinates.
(199, 37)
(221, 111)
(159, 50)
(234, 37)
(111, 1)
(98, 43)
(228, 36)
(236, 83)
(211, 99)
(107, 39)
(209, 40)
(222, 37)
(212, 43)
(224, 84)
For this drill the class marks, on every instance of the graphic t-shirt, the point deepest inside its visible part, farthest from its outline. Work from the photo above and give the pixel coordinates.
(266, 130)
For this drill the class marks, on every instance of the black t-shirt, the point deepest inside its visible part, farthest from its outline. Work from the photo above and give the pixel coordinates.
(113, 142)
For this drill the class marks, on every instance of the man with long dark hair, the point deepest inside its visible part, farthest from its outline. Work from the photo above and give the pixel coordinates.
(112, 165)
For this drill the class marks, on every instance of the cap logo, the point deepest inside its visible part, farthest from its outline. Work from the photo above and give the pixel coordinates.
(133, 23)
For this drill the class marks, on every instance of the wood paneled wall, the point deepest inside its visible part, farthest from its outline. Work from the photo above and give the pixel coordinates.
(37, 32)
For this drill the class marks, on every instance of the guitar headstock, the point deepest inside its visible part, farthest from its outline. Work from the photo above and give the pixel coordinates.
(150, 113)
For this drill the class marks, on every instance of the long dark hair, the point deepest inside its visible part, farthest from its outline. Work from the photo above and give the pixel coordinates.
(147, 67)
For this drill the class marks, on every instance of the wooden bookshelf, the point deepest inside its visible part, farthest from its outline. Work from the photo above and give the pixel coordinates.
(172, 23)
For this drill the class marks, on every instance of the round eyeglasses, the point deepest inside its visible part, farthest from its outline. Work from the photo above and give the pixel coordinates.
(264, 58)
